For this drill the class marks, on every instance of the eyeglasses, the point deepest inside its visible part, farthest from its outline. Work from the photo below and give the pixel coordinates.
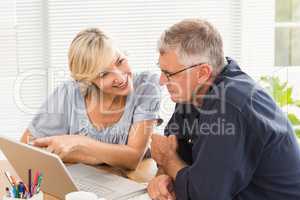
(168, 75)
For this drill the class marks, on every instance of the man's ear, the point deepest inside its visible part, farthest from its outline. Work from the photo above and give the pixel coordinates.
(204, 73)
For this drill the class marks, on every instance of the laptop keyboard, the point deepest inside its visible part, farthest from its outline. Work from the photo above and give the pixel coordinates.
(91, 186)
(141, 197)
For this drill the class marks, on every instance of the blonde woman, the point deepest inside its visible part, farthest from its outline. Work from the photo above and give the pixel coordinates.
(105, 114)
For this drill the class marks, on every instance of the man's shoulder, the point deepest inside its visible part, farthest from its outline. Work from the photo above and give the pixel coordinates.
(234, 89)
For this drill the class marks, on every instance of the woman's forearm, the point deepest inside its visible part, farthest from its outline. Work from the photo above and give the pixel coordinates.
(124, 156)
(112, 154)
(81, 157)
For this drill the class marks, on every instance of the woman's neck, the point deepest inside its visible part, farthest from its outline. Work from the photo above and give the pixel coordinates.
(107, 102)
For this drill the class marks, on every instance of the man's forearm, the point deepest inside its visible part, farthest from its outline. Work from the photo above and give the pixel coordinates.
(160, 171)
(173, 165)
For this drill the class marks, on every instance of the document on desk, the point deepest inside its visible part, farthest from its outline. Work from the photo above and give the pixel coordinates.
(104, 184)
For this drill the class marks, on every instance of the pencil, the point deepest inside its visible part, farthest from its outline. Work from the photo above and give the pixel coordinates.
(7, 175)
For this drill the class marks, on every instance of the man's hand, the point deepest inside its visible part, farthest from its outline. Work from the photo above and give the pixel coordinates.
(161, 188)
(65, 146)
(163, 149)
(164, 152)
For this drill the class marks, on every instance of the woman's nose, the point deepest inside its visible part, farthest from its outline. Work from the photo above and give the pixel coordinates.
(120, 77)
(127, 69)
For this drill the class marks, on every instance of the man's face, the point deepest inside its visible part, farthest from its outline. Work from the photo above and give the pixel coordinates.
(182, 85)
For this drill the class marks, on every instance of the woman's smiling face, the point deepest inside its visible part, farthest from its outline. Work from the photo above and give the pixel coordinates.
(116, 79)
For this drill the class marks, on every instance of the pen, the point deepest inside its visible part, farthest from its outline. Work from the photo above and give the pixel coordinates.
(21, 190)
(29, 182)
(15, 192)
(35, 182)
(39, 182)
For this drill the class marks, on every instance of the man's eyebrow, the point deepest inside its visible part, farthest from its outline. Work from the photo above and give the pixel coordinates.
(162, 70)
(165, 71)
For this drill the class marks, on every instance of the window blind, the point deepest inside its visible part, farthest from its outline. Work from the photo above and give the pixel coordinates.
(43, 30)
(8, 69)
(135, 26)
(31, 82)
(22, 64)
(258, 23)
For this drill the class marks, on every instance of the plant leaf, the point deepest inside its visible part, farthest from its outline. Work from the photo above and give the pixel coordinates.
(297, 103)
(297, 132)
(285, 96)
(294, 119)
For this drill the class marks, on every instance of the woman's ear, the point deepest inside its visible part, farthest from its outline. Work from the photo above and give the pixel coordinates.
(204, 73)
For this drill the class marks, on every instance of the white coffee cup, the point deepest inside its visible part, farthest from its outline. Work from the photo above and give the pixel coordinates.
(81, 195)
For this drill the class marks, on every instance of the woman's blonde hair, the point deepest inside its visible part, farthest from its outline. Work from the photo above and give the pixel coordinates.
(90, 51)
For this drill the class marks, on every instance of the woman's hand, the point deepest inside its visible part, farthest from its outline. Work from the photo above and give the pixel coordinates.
(70, 148)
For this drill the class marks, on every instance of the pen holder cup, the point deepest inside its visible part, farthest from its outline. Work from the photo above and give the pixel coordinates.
(39, 196)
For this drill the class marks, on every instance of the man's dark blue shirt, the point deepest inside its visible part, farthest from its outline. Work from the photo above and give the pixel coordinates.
(239, 145)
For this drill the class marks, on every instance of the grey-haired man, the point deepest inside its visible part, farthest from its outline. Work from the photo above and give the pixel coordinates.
(227, 139)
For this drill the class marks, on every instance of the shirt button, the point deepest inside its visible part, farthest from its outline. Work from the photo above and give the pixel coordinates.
(190, 141)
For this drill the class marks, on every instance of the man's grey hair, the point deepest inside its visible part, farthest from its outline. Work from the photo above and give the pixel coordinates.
(194, 41)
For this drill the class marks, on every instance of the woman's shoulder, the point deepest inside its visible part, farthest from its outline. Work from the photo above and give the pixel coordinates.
(67, 86)
(146, 82)
(65, 90)
(145, 76)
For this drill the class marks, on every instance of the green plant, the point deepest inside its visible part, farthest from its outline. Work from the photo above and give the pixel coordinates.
(282, 94)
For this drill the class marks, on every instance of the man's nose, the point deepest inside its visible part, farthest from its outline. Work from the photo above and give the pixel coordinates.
(162, 79)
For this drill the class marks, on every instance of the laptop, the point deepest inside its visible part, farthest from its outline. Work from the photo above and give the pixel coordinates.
(59, 180)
